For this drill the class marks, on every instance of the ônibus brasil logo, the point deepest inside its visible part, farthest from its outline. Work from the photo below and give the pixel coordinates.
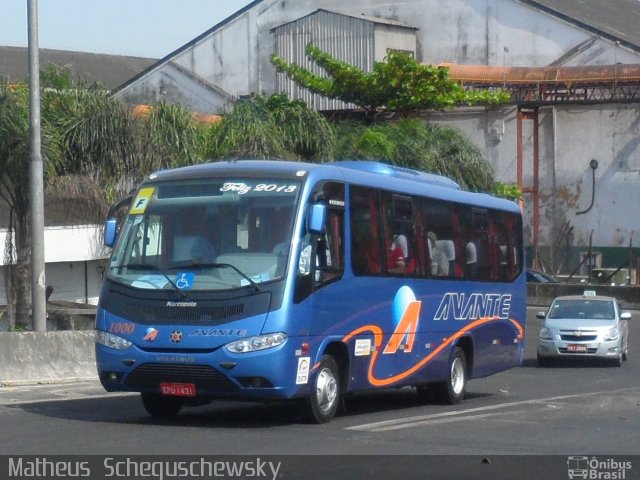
(594, 468)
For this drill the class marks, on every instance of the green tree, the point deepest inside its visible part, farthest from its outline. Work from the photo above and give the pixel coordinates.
(174, 138)
(93, 147)
(270, 128)
(399, 83)
(412, 143)
(14, 194)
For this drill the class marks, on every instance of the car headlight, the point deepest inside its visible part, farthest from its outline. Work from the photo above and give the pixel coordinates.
(112, 341)
(612, 334)
(253, 344)
(545, 334)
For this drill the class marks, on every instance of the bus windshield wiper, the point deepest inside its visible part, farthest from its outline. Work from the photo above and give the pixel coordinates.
(255, 286)
(152, 268)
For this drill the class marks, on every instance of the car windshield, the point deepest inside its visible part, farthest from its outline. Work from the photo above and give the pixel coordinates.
(588, 309)
(206, 234)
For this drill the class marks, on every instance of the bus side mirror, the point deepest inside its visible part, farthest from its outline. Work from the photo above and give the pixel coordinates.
(110, 232)
(317, 218)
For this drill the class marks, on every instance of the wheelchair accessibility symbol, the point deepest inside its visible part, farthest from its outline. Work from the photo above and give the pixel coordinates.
(185, 281)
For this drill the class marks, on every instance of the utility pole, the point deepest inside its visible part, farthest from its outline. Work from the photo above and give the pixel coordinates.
(36, 178)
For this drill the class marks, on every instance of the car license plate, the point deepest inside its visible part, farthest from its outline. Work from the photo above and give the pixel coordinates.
(178, 389)
(576, 348)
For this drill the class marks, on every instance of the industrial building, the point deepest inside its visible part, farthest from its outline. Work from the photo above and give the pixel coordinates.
(570, 137)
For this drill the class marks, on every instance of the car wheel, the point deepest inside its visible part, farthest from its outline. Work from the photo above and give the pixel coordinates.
(454, 388)
(625, 352)
(159, 406)
(322, 405)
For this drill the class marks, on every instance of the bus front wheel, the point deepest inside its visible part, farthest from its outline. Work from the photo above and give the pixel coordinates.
(454, 388)
(322, 404)
(159, 406)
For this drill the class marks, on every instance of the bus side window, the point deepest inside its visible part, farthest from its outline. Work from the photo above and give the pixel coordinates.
(367, 254)
(321, 257)
(330, 249)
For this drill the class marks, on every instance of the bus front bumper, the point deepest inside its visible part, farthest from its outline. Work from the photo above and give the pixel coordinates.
(264, 375)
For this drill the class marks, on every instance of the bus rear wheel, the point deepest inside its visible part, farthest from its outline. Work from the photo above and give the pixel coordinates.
(321, 406)
(454, 388)
(159, 406)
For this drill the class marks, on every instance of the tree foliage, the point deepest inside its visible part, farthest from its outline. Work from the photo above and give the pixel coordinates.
(92, 147)
(272, 127)
(398, 83)
(14, 192)
(414, 144)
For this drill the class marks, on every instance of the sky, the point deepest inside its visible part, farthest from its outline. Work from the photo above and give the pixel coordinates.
(140, 28)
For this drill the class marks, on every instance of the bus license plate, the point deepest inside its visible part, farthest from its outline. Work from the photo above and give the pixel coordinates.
(576, 348)
(178, 389)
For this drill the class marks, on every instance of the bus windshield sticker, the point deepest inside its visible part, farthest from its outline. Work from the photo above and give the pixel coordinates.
(184, 280)
(142, 200)
(242, 188)
(302, 375)
(150, 282)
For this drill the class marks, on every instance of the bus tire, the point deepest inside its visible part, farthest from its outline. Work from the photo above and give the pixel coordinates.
(454, 388)
(321, 406)
(159, 406)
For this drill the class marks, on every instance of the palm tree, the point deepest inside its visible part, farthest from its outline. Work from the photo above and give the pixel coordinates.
(272, 128)
(14, 192)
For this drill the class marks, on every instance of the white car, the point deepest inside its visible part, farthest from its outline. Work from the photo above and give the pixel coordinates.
(583, 326)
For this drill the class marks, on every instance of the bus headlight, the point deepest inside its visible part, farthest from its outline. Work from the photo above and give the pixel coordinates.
(112, 341)
(253, 344)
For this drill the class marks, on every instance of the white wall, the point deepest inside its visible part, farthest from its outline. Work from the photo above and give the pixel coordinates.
(68, 251)
(570, 137)
(235, 57)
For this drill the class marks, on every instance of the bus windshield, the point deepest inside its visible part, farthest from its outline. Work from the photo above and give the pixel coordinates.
(206, 234)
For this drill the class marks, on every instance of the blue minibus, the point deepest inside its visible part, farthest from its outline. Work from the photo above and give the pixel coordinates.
(268, 280)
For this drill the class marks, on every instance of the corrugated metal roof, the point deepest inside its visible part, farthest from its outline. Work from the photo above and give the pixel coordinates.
(366, 18)
(348, 38)
(110, 70)
(615, 19)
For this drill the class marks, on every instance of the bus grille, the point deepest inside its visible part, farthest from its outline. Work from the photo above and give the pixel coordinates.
(160, 311)
(197, 315)
(205, 378)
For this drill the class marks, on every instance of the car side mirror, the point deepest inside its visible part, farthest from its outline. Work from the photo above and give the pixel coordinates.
(110, 232)
(625, 315)
(541, 315)
(317, 218)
